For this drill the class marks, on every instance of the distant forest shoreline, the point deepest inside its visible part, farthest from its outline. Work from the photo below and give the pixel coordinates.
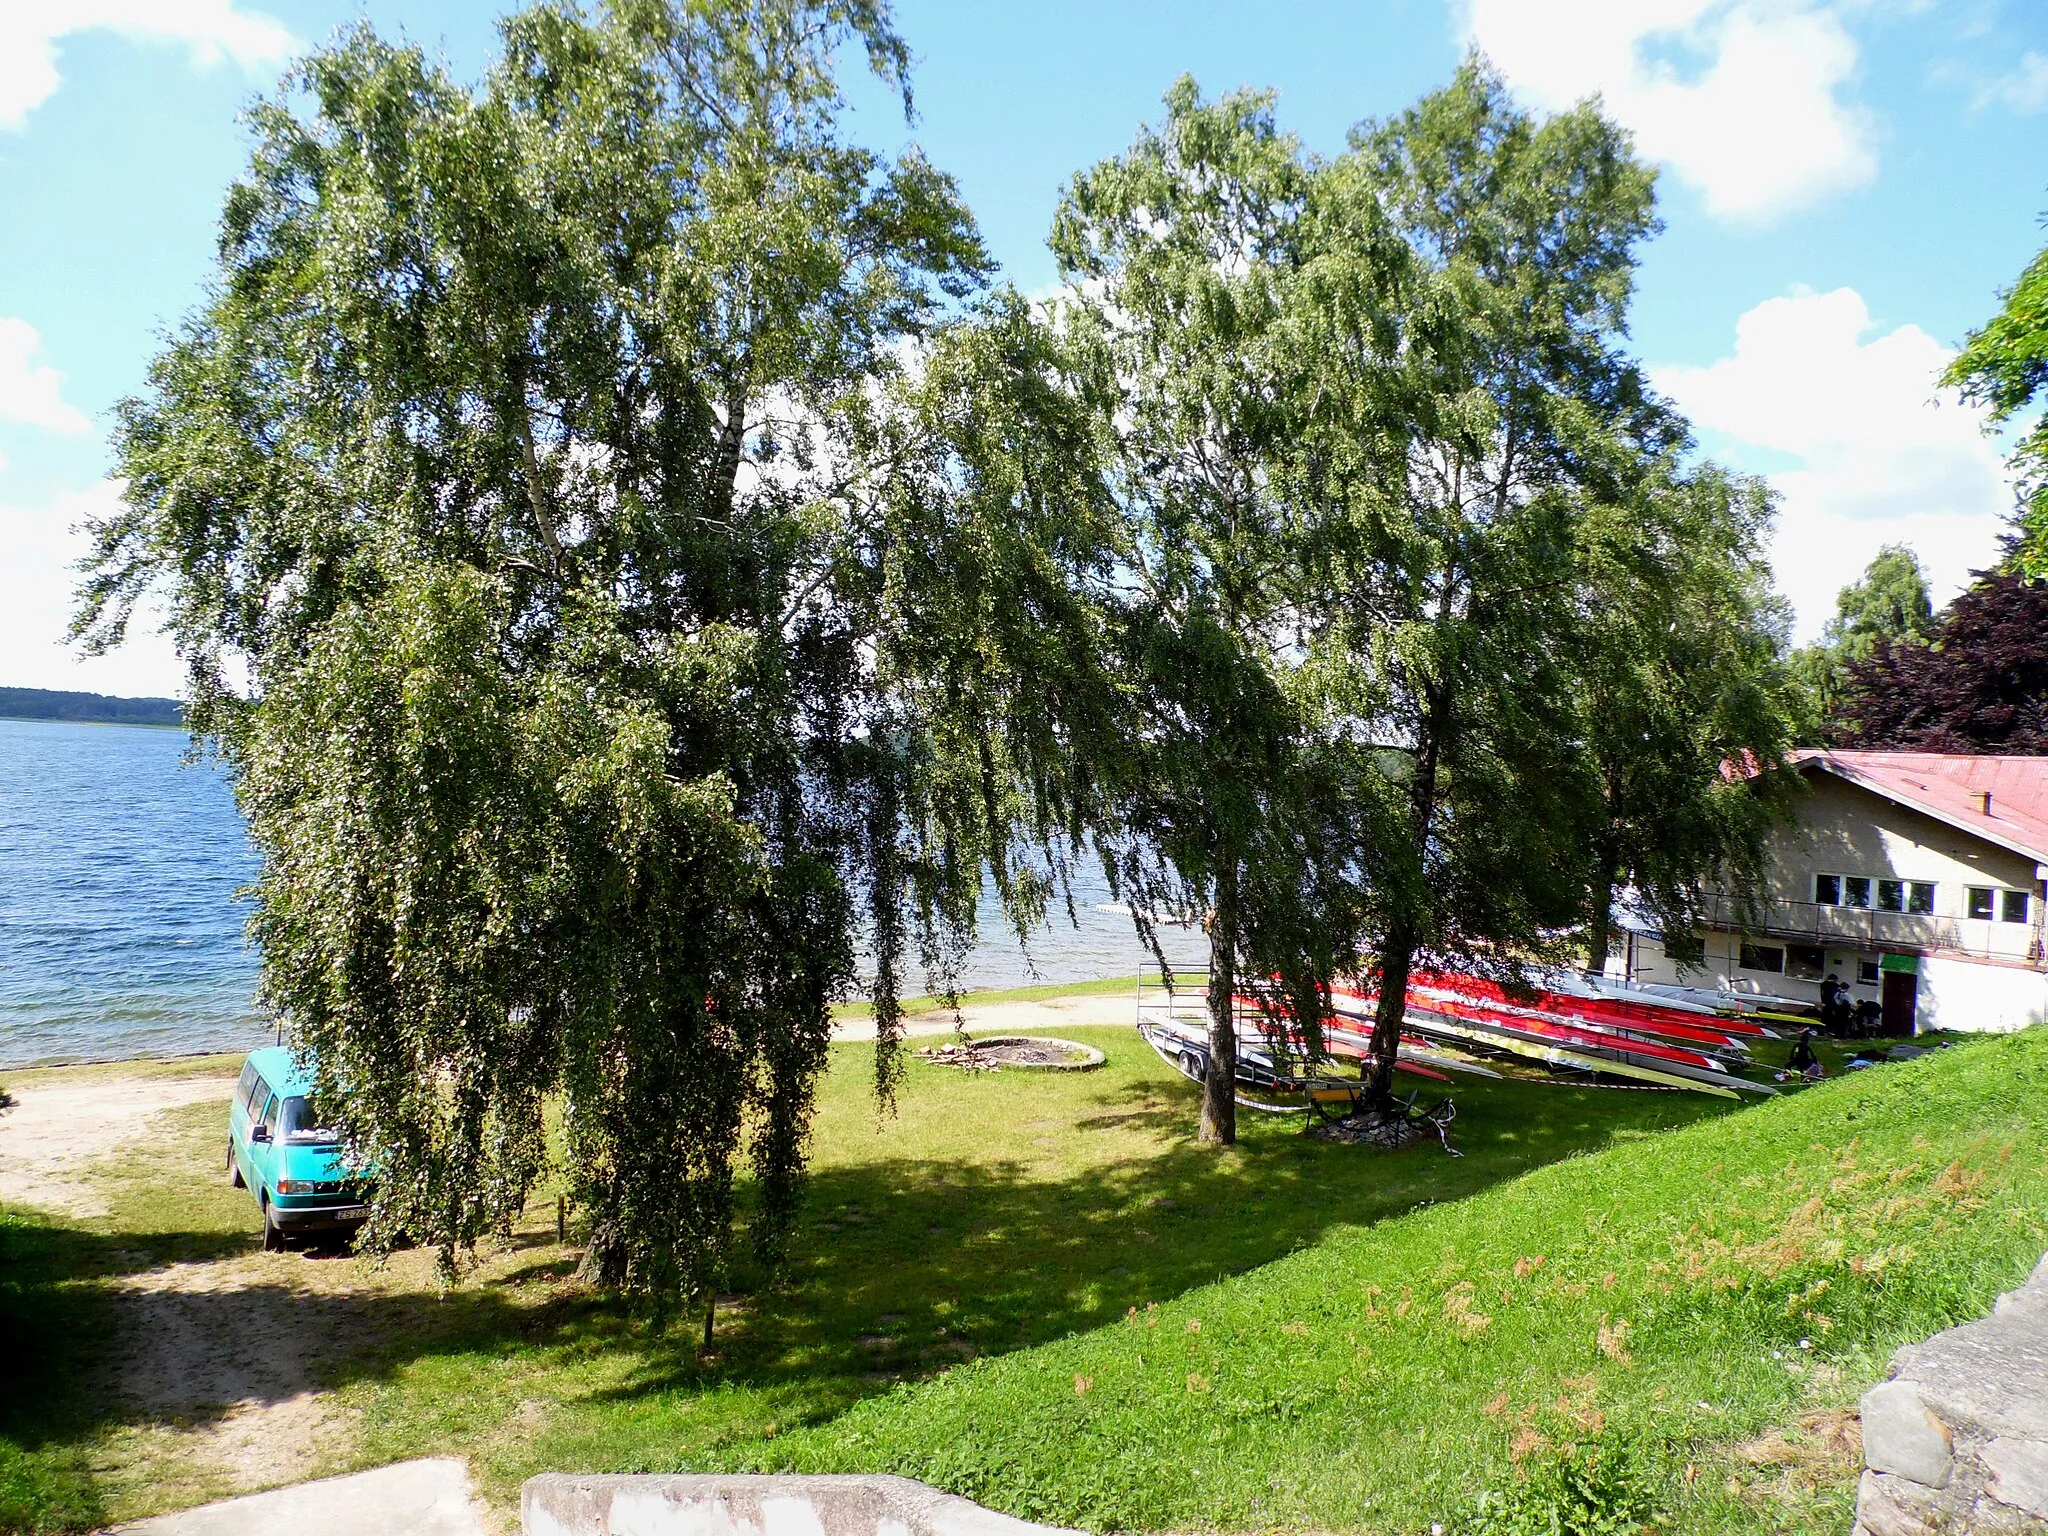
(84, 708)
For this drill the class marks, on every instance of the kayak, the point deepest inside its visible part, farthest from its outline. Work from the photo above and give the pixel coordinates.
(1449, 1017)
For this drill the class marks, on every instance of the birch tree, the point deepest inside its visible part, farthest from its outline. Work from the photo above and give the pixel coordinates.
(1463, 487)
(1179, 258)
(607, 633)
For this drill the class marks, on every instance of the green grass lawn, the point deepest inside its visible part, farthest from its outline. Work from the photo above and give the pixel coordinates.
(991, 1213)
(994, 1288)
(1663, 1331)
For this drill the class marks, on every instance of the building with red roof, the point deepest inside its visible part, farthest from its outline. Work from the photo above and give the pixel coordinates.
(1918, 881)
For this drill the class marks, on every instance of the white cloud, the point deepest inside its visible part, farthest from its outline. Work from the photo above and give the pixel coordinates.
(211, 30)
(32, 393)
(1757, 124)
(39, 548)
(2024, 89)
(1863, 446)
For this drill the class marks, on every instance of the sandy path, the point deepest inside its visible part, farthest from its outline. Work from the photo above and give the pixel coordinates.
(1035, 1018)
(240, 1348)
(52, 1134)
(227, 1347)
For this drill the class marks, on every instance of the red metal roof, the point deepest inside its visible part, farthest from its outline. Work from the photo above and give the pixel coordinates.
(1951, 787)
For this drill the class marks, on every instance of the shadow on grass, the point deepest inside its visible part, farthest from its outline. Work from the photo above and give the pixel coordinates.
(902, 1266)
(97, 1335)
(905, 1266)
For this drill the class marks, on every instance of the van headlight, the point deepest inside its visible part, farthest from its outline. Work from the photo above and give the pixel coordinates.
(295, 1186)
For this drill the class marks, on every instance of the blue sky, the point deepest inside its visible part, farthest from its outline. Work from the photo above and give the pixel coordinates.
(1846, 185)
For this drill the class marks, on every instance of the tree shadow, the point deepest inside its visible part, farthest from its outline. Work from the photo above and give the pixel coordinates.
(902, 1267)
(100, 1329)
(906, 1266)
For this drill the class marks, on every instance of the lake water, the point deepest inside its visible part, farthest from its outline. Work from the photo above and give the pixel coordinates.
(120, 933)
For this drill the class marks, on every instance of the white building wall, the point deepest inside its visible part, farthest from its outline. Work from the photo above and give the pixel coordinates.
(1842, 828)
(1967, 995)
(1992, 976)
(1721, 967)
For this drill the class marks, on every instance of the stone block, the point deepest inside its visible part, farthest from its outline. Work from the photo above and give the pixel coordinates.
(2018, 1474)
(1985, 1379)
(1897, 1506)
(558, 1504)
(1901, 1436)
(432, 1497)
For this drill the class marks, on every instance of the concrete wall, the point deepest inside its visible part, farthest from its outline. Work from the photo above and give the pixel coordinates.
(1722, 968)
(1952, 992)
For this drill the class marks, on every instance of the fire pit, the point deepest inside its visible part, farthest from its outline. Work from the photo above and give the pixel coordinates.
(1041, 1053)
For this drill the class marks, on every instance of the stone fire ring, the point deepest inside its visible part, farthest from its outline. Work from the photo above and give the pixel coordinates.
(1042, 1053)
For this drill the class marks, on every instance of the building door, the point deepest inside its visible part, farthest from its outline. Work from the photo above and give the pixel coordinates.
(1900, 991)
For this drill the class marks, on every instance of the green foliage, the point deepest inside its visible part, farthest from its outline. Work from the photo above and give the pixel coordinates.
(1499, 495)
(2003, 367)
(1887, 606)
(1888, 603)
(1592, 1489)
(1679, 664)
(1183, 258)
(624, 626)
(1402, 521)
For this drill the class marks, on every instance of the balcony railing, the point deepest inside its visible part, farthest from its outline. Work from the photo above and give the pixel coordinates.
(1868, 928)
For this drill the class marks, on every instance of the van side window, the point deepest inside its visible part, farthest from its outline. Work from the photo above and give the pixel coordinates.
(259, 1090)
(247, 1085)
(270, 1115)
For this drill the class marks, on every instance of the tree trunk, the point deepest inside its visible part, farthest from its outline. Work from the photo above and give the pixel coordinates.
(731, 448)
(1219, 1086)
(1600, 935)
(1397, 955)
(1397, 949)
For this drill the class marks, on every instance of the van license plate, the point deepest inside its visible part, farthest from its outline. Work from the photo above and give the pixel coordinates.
(352, 1213)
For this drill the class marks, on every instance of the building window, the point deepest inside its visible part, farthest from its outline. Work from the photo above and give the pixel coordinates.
(1763, 957)
(1805, 963)
(1685, 948)
(1827, 890)
(2014, 907)
(1866, 973)
(1915, 896)
(1982, 898)
(1856, 890)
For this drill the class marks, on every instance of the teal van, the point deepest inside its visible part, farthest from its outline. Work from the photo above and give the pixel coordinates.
(279, 1148)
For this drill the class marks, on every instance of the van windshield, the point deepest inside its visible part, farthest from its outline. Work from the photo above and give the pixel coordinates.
(305, 1122)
